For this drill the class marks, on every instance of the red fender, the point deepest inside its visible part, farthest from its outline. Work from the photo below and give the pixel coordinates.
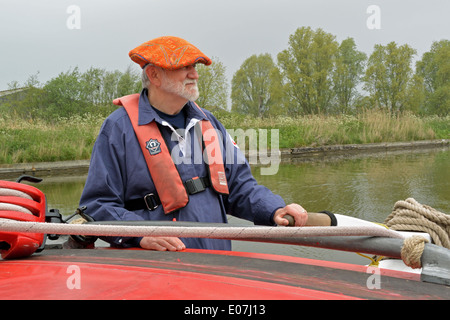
(29, 207)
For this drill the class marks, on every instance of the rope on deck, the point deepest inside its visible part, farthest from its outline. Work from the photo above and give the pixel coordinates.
(410, 215)
(193, 232)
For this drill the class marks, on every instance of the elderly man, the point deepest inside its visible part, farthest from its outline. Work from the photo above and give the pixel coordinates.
(144, 165)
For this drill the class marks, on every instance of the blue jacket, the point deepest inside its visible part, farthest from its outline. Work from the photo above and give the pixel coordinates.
(118, 173)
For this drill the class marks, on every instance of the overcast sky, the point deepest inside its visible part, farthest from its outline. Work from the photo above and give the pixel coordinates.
(52, 36)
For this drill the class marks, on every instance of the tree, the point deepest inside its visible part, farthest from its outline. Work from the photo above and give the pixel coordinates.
(256, 86)
(434, 70)
(65, 95)
(388, 76)
(212, 85)
(109, 86)
(91, 83)
(349, 66)
(307, 67)
(129, 82)
(26, 100)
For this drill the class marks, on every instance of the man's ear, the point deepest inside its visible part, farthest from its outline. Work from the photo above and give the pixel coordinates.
(154, 75)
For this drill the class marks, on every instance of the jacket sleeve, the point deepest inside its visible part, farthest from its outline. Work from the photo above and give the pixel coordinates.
(103, 194)
(247, 199)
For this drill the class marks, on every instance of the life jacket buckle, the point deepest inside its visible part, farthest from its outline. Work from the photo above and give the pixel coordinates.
(151, 201)
(195, 185)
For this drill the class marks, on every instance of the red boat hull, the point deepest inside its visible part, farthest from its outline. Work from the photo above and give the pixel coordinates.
(198, 274)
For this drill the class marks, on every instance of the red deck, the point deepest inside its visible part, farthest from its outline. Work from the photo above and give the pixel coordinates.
(198, 274)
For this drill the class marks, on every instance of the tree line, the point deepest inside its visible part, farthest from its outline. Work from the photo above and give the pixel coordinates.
(70, 93)
(315, 74)
(318, 75)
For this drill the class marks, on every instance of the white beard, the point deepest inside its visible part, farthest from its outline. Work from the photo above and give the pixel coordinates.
(181, 88)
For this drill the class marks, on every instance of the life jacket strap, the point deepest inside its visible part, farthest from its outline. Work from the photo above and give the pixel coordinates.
(151, 201)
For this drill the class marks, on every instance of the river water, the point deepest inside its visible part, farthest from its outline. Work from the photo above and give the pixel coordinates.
(363, 186)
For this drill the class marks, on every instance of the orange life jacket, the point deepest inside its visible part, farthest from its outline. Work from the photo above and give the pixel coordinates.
(169, 186)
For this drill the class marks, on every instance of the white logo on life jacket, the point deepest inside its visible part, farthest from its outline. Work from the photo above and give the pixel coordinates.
(222, 178)
(153, 146)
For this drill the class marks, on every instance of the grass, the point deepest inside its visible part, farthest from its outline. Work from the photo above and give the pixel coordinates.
(72, 139)
(368, 127)
(38, 141)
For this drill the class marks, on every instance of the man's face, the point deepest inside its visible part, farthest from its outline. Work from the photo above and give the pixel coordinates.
(182, 82)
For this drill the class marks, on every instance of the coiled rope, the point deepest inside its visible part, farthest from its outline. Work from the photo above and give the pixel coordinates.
(410, 215)
(14, 193)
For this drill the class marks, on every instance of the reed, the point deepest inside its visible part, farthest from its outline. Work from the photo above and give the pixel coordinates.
(369, 126)
(40, 141)
(73, 138)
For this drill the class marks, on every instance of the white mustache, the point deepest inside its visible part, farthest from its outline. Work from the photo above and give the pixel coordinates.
(188, 81)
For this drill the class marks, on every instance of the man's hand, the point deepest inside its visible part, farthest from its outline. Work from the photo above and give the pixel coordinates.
(162, 243)
(300, 215)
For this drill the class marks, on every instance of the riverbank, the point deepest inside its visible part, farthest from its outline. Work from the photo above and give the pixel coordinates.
(80, 167)
(36, 140)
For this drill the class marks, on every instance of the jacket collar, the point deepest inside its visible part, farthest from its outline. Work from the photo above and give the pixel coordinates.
(147, 114)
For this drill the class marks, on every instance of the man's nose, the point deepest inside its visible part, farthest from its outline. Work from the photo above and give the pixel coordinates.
(192, 73)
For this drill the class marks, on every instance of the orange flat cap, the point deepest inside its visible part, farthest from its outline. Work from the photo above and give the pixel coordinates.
(169, 53)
